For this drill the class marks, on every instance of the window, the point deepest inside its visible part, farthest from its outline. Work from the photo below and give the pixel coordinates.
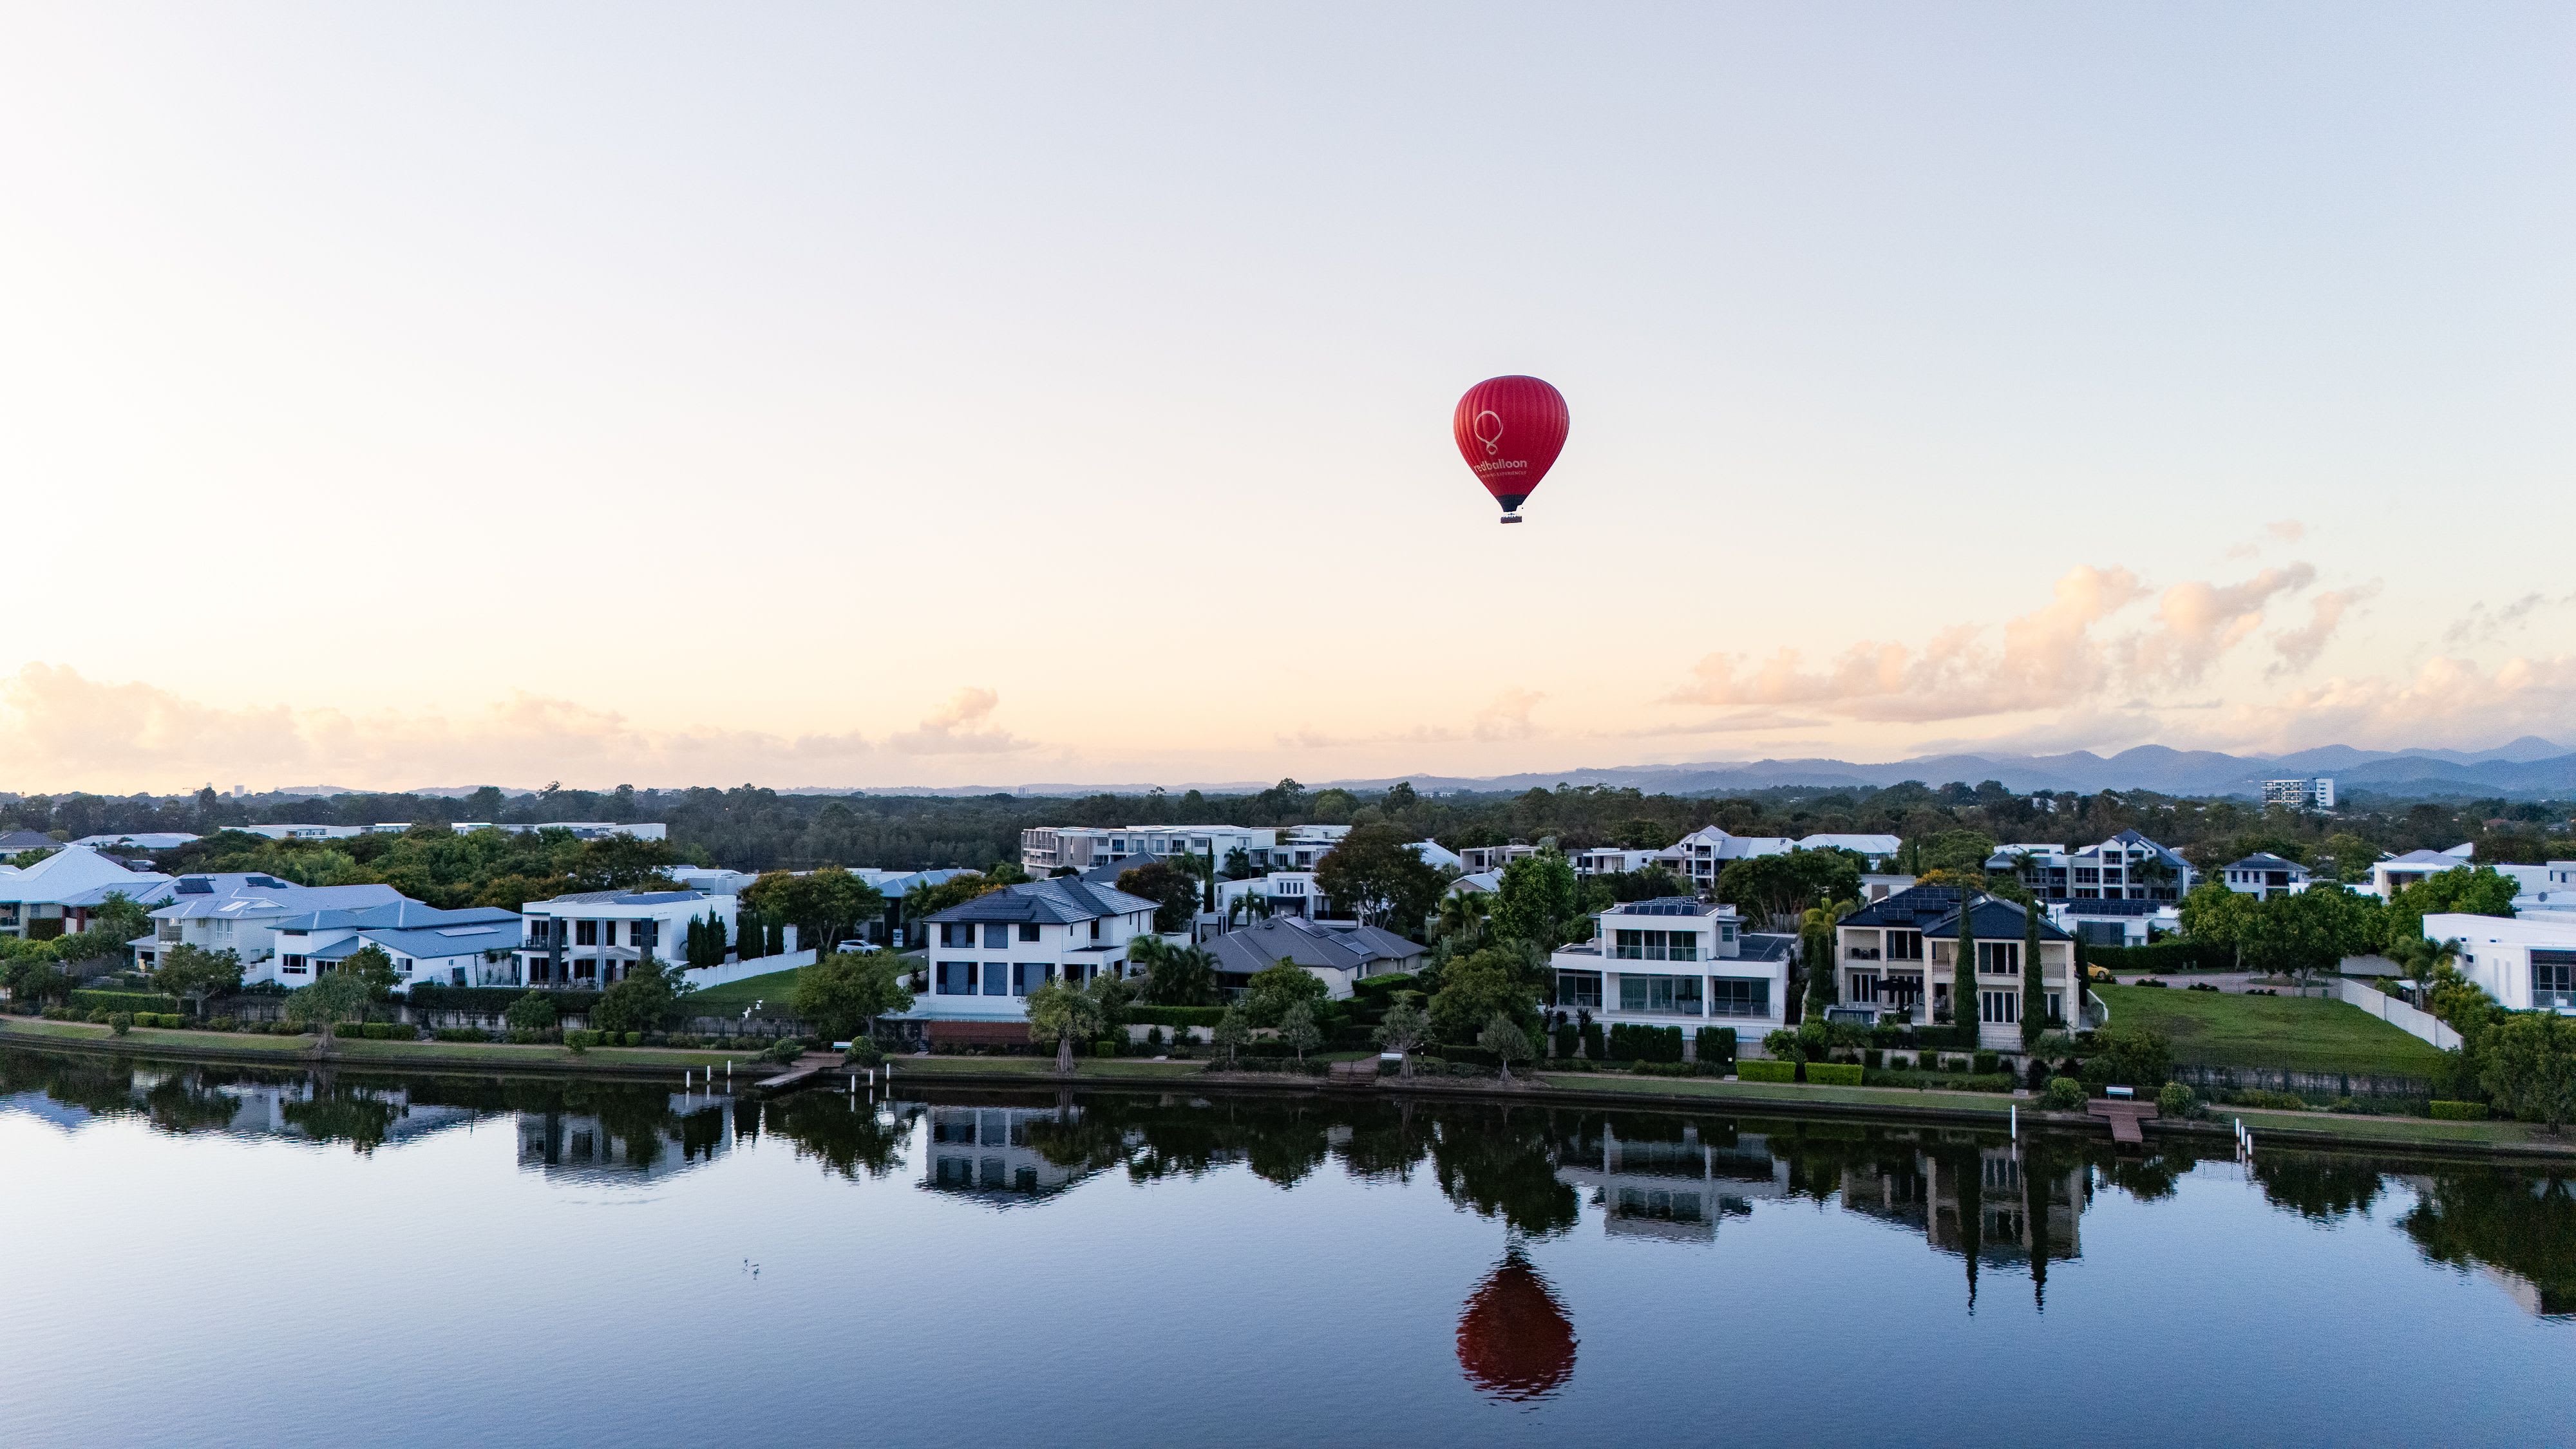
(1656, 945)
(997, 935)
(1578, 990)
(2001, 1008)
(1739, 996)
(997, 980)
(1026, 975)
(2553, 980)
(952, 934)
(956, 978)
(1095, 929)
(585, 933)
(1864, 986)
(2057, 1006)
(1669, 995)
(1905, 945)
(1028, 930)
(1999, 958)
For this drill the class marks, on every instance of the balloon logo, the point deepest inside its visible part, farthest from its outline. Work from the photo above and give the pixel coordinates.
(1529, 413)
(1514, 1342)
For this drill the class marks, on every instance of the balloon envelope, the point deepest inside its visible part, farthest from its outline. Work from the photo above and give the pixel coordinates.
(1514, 1342)
(1510, 429)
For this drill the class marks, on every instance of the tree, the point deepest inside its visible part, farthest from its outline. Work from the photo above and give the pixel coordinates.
(1402, 1029)
(1377, 875)
(926, 900)
(1537, 901)
(1230, 1033)
(193, 973)
(1279, 986)
(1063, 1013)
(532, 1012)
(1463, 917)
(1765, 887)
(1816, 935)
(2215, 915)
(1174, 894)
(112, 923)
(646, 998)
(1297, 1028)
(825, 905)
(33, 977)
(1473, 988)
(2483, 891)
(1504, 1038)
(2034, 983)
(337, 997)
(2527, 1062)
(2422, 960)
(1963, 968)
(370, 967)
(1238, 865)
(845, 992)
(1174, 975)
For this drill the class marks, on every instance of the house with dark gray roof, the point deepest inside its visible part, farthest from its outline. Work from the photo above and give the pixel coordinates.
(984, 956)
(2264, 875)
(1337, 953)
(1896, 958)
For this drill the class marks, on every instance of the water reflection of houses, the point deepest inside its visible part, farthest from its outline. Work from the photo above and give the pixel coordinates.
(1674, 1185)
(990, 1153)
(2015, 1210)
(694, 1128)
(286, 1109)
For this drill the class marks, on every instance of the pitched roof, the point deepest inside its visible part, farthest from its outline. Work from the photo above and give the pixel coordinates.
(2441, 858)
(2264, 860)
(453, 940)
(1934, 910)
(1058, 902)
(622, 898)
(14, 841)
(235, 897)
(1286, 938)
(398, 914)
(73, 871)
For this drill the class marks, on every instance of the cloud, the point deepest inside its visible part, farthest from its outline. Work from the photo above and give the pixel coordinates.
(2048, 658)
(61, 730)
(2448, 699)
(2300, 647)
(1506, 718)
(2288, 530)
(958, 728)
(2201, 621)
(2487, 626)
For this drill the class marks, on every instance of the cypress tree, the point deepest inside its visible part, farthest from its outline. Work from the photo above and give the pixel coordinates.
(1963, 970)
(2034, 993)
(693, 943)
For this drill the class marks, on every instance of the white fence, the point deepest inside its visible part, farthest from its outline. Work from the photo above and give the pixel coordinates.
(756, 966)
(2397, 1013)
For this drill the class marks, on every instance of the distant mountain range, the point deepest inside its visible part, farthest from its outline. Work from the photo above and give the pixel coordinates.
(2527, 768)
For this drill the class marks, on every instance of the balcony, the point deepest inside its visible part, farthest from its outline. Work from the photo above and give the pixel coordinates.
(1861, 953)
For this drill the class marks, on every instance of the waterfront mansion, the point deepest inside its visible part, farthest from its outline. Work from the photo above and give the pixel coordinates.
(1888, 953)
(1679, 961)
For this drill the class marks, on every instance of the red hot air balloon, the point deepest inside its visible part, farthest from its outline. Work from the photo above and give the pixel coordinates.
(1510, 429)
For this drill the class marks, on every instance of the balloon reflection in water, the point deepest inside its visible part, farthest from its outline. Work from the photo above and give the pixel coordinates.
(1514, 1341)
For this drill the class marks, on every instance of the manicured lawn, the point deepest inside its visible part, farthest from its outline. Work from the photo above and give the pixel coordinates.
(144, 1036)
(777, 988)
(2298, 1033)
(2386, 1129)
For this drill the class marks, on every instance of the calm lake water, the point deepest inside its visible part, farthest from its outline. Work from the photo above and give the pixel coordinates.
(209, 1255)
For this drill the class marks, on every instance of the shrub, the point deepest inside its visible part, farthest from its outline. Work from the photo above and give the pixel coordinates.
(2459, 1111)
(1646, 1043)
(1715, 1046)
(461, 1033)
(1873, 1057)
(2177, 1100)
(120, 1022)
(635, 1038)
(1104, 1048)
(2272, 1101)
(2064, 1094)
(1663, 1069)
(1565, 1038)
(1957, 1065)
(529, 1036)
(1834, 1074)
(784, 1050)
(1766, 1071)
(1986, 1063)
(223, 1023)
(1179, 1015)
(126, 1001)
(1589, 1034)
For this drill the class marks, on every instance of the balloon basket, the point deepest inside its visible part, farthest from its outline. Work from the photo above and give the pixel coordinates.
(1511, 518)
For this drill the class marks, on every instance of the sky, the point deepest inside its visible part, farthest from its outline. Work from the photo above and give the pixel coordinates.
(838, 395)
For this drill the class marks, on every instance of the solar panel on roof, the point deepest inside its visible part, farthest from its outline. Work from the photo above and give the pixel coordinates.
(1665, 906)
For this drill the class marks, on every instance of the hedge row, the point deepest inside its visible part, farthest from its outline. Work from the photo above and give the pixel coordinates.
(2162, 956)
(1829, 1074)
(1766, 1071)
(2459, 1111)
(1715, 1044)
(1645, 1043)
(135, 1001)
(1174, 1015)
(494, 1000)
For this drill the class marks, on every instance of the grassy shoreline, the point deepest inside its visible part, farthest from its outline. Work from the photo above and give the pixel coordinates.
(1980, 1109)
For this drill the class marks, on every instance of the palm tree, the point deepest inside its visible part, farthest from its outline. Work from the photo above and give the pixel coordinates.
(1463, 914)
(1250, 903)
(2423, 959)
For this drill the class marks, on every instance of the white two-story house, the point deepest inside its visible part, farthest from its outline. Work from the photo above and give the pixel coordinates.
(1679, 961)
(2263, 875)
(54, 896)
(986, 955)
(471, 947)
(589, 939)
(243, 912)
(2126, 867)
(1701, 855)
(1898, 956)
